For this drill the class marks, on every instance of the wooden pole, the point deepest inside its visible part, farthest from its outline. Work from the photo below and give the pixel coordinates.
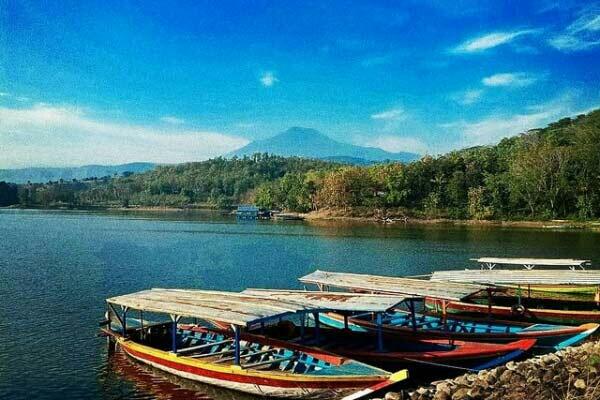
(236, 332)
(317, 327)
(124, 322)
(379, 333)
(174, 319)
(413, 317)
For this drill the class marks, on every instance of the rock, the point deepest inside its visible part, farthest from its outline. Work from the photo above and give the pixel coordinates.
(580, 384)
(475, 392)
(506, 377)
(392, 396)
(441, 396)
(511, 366)
(461, 394)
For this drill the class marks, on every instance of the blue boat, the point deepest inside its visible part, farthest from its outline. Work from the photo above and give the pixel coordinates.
(423, 326)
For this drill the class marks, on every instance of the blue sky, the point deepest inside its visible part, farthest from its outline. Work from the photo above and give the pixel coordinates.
(109, 82)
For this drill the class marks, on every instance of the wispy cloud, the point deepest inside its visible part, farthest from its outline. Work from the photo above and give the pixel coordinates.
(396, 144)
(172, 120)
(490, 40)
(493, 128)
(512, 79)
(64, 135)
(468, 97)
(4, 94)
(394, 114)
(268, 79)
(581, 34)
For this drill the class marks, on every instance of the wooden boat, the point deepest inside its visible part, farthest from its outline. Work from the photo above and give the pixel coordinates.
(477, 298)
(224, 358)
(496, 263)
(553, 308)
(399, 323)
(395, 353)
(382, 349)
(531, 263)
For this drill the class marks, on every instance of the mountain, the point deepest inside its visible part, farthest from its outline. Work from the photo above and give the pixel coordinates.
(310, 143)
(41, 175)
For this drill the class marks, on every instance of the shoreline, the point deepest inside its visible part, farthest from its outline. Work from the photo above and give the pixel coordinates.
(321, 217)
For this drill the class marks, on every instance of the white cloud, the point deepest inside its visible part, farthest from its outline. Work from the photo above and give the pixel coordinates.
(63, 135)
(490, 40)
(172, 120)
(4, 94)
(394, 114)
(514, 79)
(581, 34)
(491, 129)
(268, 79)
(396, 144)
(468, 97)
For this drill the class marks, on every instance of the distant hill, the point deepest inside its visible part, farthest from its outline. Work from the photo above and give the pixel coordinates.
(310, 143)
(41, 175)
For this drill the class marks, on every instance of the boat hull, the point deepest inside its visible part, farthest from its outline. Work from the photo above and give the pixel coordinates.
(471, 355)
(565, 317)
(548, 337)
(280, 385)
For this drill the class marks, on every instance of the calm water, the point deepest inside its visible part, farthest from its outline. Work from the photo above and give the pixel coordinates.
(56, 269)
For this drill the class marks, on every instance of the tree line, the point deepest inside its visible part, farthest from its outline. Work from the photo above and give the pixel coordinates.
(547, 173)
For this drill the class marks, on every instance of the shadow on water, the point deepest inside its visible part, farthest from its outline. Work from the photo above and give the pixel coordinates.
(122, 377)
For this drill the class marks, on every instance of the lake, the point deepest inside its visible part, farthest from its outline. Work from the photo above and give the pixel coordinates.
(57, 267)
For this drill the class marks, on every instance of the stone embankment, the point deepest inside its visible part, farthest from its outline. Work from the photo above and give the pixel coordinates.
(573, 374)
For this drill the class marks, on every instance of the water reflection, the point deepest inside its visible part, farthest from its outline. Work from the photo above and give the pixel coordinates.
(125, 378)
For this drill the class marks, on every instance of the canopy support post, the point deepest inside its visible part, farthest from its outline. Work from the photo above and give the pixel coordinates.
(174, 319)
(489, 294)
(379, 333)
(345, 321)
(124, 321)
(142, 335)
(236, 332)
(302, 322)
(413, 317)
(317, 327)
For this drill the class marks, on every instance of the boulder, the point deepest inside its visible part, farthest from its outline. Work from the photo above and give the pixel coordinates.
(580, 384)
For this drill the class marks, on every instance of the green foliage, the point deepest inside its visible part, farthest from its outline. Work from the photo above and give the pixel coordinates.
(552, 172)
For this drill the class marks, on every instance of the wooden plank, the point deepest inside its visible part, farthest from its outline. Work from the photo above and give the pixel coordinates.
(229, 307)
(532, 262)
(330, 301)
(392, 285)
(519, 277)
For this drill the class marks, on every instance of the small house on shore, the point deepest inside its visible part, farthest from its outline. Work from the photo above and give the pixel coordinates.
(247, 212)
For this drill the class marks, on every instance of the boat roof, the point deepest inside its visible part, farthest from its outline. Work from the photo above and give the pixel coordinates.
(522, 277)
(392, 285)
(229, 307)
(531, 262)
(332, 301)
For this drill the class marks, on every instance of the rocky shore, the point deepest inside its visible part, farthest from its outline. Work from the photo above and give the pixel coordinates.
(573, 373)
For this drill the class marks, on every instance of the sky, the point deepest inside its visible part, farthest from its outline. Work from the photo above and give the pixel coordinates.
(106, 82)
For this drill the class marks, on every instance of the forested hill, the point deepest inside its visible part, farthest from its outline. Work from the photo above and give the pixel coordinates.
(546, 173)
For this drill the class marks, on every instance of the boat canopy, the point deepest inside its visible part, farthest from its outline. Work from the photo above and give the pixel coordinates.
(519, 277)
(229, 307)
(530, 263)
(392, 285)
(332, 301)
(250, 306)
